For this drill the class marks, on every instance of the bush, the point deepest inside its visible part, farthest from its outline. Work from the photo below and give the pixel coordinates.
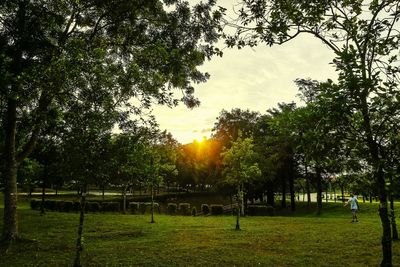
(50, 205)
(134, 207)
(111, 206)
(68, 206)
(92, 207)
(143, 207)
(60, 205)
(171, 208)
(184, 209)
(205, 209)
(217, 209)
(194, 211)
(260, 210)
(76, 206)
(35, 204)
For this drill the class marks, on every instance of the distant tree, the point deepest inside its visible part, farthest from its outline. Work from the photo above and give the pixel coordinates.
(239, 167)
(230, 123)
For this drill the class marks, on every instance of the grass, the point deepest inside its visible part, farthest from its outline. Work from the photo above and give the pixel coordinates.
(301, 239)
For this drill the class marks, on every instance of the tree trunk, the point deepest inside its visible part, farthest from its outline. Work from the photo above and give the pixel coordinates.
(43, 197)
(124, 199)
(307, 185)
(242, 198)
(238, 208)
(283, 203)
(79, 245)
(334, 193)
(270, 194)
(319, 190)
(342, 189)
(152, 204)
(10, 220)
(395, 234)
(291, 186)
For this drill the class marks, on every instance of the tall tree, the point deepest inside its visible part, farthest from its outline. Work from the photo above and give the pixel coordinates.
(364, 37)
(137, 49)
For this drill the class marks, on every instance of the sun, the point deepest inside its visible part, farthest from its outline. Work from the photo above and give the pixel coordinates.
(199, 139)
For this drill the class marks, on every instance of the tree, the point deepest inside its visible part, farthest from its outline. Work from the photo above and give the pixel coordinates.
(136, 49)
(364, 37)
(239, 168)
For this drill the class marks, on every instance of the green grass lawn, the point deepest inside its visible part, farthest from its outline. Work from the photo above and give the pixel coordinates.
(130, 240)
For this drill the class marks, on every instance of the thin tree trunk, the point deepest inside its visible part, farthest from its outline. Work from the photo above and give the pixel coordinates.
(307, 184)
(319, 190)
(342, 189)
(10, 220)
(334, 193)
(43, 197)
(238, 208)
(395, 234)
(124, 199)
(242, 198)
(291, 186)
(79, 245)
(152, 204)
(283, 203)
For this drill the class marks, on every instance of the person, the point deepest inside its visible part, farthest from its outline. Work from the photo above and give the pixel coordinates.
(354, 206)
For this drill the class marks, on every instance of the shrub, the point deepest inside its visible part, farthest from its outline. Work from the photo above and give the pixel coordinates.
(171, 208)
(111, 206)
(217, 209)
(260, 210)
(35, 204)
(134, 207)
(205, 209)
(76, 206)
(143, 207)
(68, 206)
(60, 205)
(50, 205)
(92, 207)
(194, 211)
(184, 209)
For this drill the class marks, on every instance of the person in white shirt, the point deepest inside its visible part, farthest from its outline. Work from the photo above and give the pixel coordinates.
(354, 206)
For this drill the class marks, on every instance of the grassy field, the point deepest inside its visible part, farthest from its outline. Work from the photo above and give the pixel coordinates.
(301, 239)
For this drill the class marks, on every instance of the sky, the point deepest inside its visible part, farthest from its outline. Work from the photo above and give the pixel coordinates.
(256, 79)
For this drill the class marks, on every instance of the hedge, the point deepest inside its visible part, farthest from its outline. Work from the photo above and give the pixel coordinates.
(194, 211)
(216, 209)
(259, 210)
(92, 207)
(205, 209)
(134, 207)
(184, 209)
(172, 208)
(111, 206)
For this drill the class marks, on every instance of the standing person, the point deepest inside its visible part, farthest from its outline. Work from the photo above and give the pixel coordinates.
(354, 206)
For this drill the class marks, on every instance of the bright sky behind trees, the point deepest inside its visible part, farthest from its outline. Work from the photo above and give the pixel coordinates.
(255, 79)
